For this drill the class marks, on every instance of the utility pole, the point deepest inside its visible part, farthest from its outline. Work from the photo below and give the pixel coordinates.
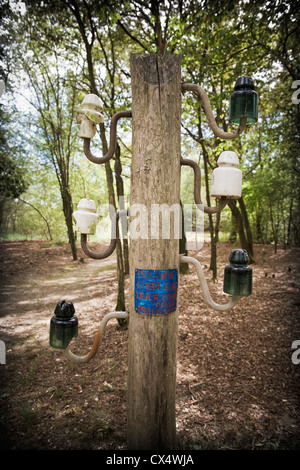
(155, 180)
(155, 232)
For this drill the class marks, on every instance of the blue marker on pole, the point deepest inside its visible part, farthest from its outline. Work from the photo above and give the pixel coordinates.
(156, 291)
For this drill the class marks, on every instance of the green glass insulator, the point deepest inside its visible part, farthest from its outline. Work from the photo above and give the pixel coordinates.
(243, 102)
(63, 325)
(238, 275)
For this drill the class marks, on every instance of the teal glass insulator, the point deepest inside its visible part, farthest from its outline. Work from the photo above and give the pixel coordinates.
(63, 326)
(237, 274)
(243, 101)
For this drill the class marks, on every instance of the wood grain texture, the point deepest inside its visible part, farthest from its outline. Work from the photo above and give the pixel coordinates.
(155, 179)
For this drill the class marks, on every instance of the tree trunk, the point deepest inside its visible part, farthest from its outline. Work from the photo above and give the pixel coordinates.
(247, 228)
(120, 305)
(273, 225)
(120, 193)
(241, 229)
(212, 228)
(68, 211)
(39, 212)
(183, 267)
(289, 224)
(258, 222)
(214, 245)
(233, 229)
(155, 179)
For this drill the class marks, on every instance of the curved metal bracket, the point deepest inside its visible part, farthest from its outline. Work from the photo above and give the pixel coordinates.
(112, 142)
(97, 341)
(203, 284)
(197, 188)
(209, 114)
(113, 241)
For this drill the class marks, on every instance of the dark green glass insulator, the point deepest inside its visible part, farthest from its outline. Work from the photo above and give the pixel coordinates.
(238, 275)
(243, 102)
(64, 309)
(63, 326)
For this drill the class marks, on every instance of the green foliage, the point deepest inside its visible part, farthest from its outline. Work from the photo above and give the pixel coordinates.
(69, 48)
(12, 183)
(12, 175)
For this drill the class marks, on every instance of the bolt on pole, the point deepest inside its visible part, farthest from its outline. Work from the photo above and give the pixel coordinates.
(155, 179)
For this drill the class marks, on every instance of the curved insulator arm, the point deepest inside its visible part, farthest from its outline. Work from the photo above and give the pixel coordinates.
(203, 284)
(97, 341)
(113, 241)
(209, 114)
(112, 143)
(197, 188)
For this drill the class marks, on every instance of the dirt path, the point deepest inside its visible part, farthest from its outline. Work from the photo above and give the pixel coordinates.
(35, 277)
(237, 387)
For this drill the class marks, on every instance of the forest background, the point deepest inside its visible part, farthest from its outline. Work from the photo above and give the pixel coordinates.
(53, 53)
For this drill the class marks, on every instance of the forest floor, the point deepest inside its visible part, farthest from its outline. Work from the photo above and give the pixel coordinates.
(237, 386)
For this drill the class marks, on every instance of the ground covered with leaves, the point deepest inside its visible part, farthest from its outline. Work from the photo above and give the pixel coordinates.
(237, 386)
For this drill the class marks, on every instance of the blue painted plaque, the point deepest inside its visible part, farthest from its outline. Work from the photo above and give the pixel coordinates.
(155, 291)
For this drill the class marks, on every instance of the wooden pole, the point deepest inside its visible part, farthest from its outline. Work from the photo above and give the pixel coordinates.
(155, 180)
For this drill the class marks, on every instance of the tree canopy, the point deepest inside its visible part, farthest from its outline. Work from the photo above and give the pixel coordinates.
(53, 52)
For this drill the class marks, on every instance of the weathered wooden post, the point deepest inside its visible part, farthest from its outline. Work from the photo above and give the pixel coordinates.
(154, 260)
(154, 238)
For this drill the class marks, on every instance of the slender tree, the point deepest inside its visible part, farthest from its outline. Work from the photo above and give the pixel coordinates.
(94, 26)
(13, 178)
(56, 106)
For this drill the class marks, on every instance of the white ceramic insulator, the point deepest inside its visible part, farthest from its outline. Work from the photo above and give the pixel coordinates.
(227, 178)
(85, 217)
(87, 127)
(92, 106)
